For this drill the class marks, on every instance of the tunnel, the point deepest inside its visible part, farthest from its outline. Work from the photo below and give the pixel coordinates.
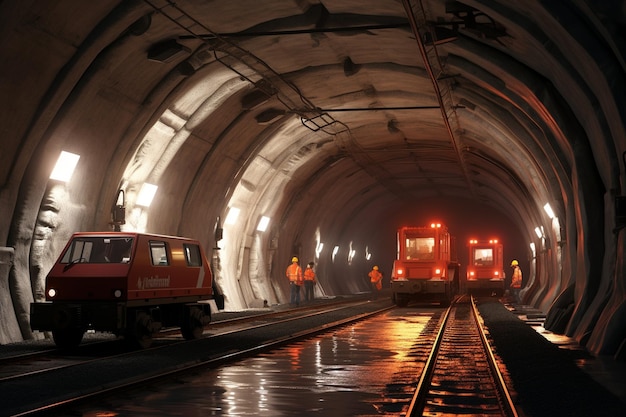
(316, 128)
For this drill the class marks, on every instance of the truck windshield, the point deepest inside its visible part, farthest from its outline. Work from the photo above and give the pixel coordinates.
(98, 250)
(483, 257)
(419, 248)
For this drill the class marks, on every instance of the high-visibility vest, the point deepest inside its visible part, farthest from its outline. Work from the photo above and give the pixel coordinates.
(309, 275)
(516, 279)
(375, 275)
(294, 273)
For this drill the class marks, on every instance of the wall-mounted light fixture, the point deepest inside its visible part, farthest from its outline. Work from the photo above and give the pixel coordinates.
(351, 253)
(263, 223)
(118, 211)
(318, 249)
(231, 217)
(335, 251)
(146, 194)
(65, 166)
(548, 210)
(539, 232)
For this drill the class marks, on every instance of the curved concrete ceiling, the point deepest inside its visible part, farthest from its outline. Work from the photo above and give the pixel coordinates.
(338, 120)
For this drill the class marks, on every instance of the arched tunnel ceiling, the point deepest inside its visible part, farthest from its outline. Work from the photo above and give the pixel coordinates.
(414, 99)
(323, 115)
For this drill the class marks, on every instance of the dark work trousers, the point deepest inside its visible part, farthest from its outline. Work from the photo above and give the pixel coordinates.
(295, 293)
(308, 290)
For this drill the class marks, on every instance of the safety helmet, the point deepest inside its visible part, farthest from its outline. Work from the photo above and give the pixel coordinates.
(294, 259)
(376, 267)
(514, 262)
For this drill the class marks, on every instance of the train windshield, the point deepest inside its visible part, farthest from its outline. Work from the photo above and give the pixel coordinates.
(419, 248)
(483, 257)
(98, 250)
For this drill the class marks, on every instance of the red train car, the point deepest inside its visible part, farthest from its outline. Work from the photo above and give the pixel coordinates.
(426, 268)
(130, 284)
(485, 272)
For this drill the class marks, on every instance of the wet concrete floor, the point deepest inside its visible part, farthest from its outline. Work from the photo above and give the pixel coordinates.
(342, 373)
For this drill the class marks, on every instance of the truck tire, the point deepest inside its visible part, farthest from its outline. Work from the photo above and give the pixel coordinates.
(68, 338)
(139, 333)
(193, 323)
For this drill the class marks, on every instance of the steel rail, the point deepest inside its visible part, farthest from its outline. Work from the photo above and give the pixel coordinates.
(418, 401)
(419, 396)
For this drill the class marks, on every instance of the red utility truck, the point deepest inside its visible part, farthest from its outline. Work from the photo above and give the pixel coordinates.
(426, 267)
(130, 284)
(485, 272)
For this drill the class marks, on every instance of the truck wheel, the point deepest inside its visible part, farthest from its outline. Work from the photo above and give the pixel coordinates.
(193, 324)
(67, 338)
(401, 301)
(140, 332)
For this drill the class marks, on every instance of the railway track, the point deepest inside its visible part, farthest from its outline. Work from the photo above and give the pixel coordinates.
(461, 375)
(44, 357)
(32, 390)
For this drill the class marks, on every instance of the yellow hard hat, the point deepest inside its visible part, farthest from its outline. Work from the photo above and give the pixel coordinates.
(514, 262)
(376, 267)
(294, 259)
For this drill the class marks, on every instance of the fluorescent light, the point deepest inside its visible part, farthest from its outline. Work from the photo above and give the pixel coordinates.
(319, 248)
(538, 232)
(231, 217)
(64, 167)
(146, 194)
(335, 250)
(262, 227)
(549, 211)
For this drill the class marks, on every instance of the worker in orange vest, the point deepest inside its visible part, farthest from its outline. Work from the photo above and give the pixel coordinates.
(376, 278)
(309, 281)
(516, 281)
(294, 274)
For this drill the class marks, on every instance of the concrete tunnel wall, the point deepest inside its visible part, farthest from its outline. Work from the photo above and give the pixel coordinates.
(543, 120)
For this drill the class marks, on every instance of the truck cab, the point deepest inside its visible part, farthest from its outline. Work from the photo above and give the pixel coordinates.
(485, 272)
(127, 283)
(426, 267)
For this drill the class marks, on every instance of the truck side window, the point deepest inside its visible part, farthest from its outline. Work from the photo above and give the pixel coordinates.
(192, 254)
(158, 253)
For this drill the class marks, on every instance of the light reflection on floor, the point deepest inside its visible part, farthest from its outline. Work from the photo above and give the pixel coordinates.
(344, 373)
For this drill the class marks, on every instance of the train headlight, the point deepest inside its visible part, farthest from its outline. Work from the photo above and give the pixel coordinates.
(117, 293)
(52, 293)
(438, 272)
(399, 272)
